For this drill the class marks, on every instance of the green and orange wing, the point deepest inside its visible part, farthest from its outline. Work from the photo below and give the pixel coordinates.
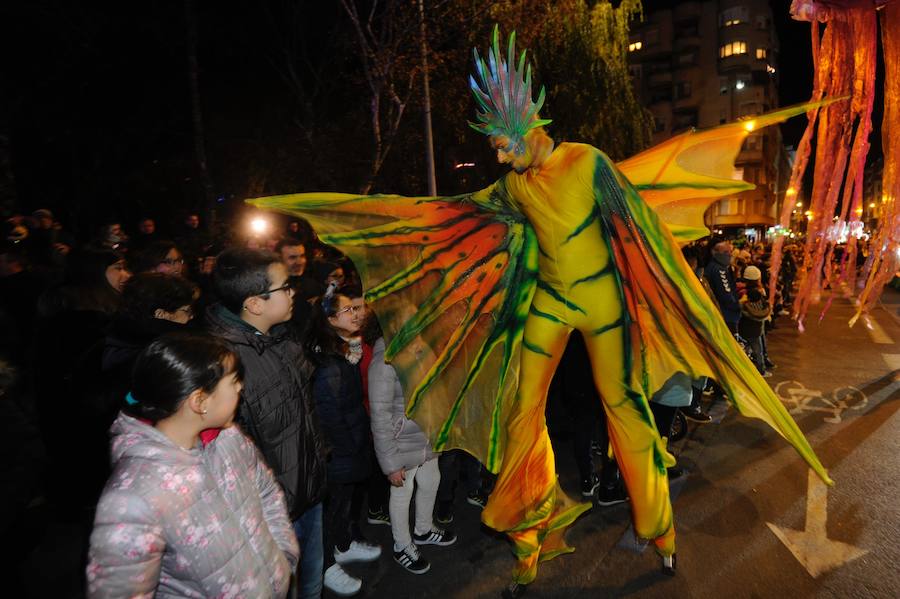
(451, 280)
(673, 326)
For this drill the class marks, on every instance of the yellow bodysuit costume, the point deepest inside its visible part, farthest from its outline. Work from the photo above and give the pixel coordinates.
(478, 293)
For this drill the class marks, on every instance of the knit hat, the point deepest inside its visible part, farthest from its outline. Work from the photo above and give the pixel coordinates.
(752, 273)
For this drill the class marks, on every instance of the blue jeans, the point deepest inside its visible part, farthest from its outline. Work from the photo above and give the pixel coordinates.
(308, 529)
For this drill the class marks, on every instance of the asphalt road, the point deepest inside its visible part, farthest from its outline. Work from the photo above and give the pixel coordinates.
(750, 521)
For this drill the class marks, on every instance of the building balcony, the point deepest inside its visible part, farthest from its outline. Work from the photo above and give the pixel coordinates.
(740, 62)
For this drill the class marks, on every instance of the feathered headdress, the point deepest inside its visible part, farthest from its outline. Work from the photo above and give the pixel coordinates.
(504, 96)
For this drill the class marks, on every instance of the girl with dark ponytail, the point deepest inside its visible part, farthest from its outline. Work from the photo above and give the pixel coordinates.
(334, 345)
(190, 509)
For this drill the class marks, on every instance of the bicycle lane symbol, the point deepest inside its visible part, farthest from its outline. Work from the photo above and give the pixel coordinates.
(799, 399)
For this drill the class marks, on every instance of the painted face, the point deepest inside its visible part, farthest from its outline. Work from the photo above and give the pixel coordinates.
(348, 317)
(294, 257)
(506, 153)
(279, 301)
(117, 274)
(222, 402)
(173, 264)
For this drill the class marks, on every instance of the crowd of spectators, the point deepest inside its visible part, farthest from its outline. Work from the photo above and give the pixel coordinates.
(324, 410)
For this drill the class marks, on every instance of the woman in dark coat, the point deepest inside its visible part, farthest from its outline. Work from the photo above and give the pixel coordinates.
(71, 320)
(334, 345)
(151, 305)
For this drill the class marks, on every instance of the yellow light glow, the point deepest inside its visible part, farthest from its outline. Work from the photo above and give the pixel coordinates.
(872, 205)
(809, 217)
(799, 204)
(859, 210)
(749, 125)
(791, 191)
(259, 225)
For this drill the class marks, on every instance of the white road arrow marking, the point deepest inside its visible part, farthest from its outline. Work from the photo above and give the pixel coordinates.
(812, 547)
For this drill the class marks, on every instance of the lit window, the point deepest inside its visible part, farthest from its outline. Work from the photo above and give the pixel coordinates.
(634, 46)
(734, 16)
(761, 54)
(732, 49)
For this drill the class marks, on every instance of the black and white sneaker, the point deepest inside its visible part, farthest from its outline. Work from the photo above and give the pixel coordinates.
(589, 485)
(696, 414)
(435, 536)
(477, 498)
(608, 496)
(412, 560)
(378, 517)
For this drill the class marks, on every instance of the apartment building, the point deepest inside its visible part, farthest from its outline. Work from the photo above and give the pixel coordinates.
(699, 64)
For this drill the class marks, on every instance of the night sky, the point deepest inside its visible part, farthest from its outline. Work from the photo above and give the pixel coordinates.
(94, 100)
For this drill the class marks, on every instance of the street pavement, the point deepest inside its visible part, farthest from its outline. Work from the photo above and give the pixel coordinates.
(750, 520)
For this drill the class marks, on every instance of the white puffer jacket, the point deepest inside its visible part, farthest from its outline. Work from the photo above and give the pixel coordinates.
(399, 442)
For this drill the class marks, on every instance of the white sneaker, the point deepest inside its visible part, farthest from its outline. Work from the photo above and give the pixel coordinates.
(340, 583)
(359, 551)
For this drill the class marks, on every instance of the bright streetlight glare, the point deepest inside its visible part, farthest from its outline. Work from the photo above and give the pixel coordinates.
(259, 225)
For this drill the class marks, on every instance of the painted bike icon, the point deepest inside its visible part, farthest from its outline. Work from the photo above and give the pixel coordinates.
(799, 399)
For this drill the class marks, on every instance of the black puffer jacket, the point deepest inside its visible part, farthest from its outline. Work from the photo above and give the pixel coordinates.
(337, 389)
(276, 408)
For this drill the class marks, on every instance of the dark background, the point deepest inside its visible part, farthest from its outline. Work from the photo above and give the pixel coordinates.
(96, 122)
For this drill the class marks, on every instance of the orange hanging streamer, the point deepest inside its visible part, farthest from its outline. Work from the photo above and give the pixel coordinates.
(845, 57)
(885, 258)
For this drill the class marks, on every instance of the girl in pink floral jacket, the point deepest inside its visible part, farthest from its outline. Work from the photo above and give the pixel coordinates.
(187, 513)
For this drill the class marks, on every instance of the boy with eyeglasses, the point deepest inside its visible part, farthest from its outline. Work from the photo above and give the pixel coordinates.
(277, 410)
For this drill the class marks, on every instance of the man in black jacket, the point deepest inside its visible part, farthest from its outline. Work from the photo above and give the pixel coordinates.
(276, 410)
(721, 279)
